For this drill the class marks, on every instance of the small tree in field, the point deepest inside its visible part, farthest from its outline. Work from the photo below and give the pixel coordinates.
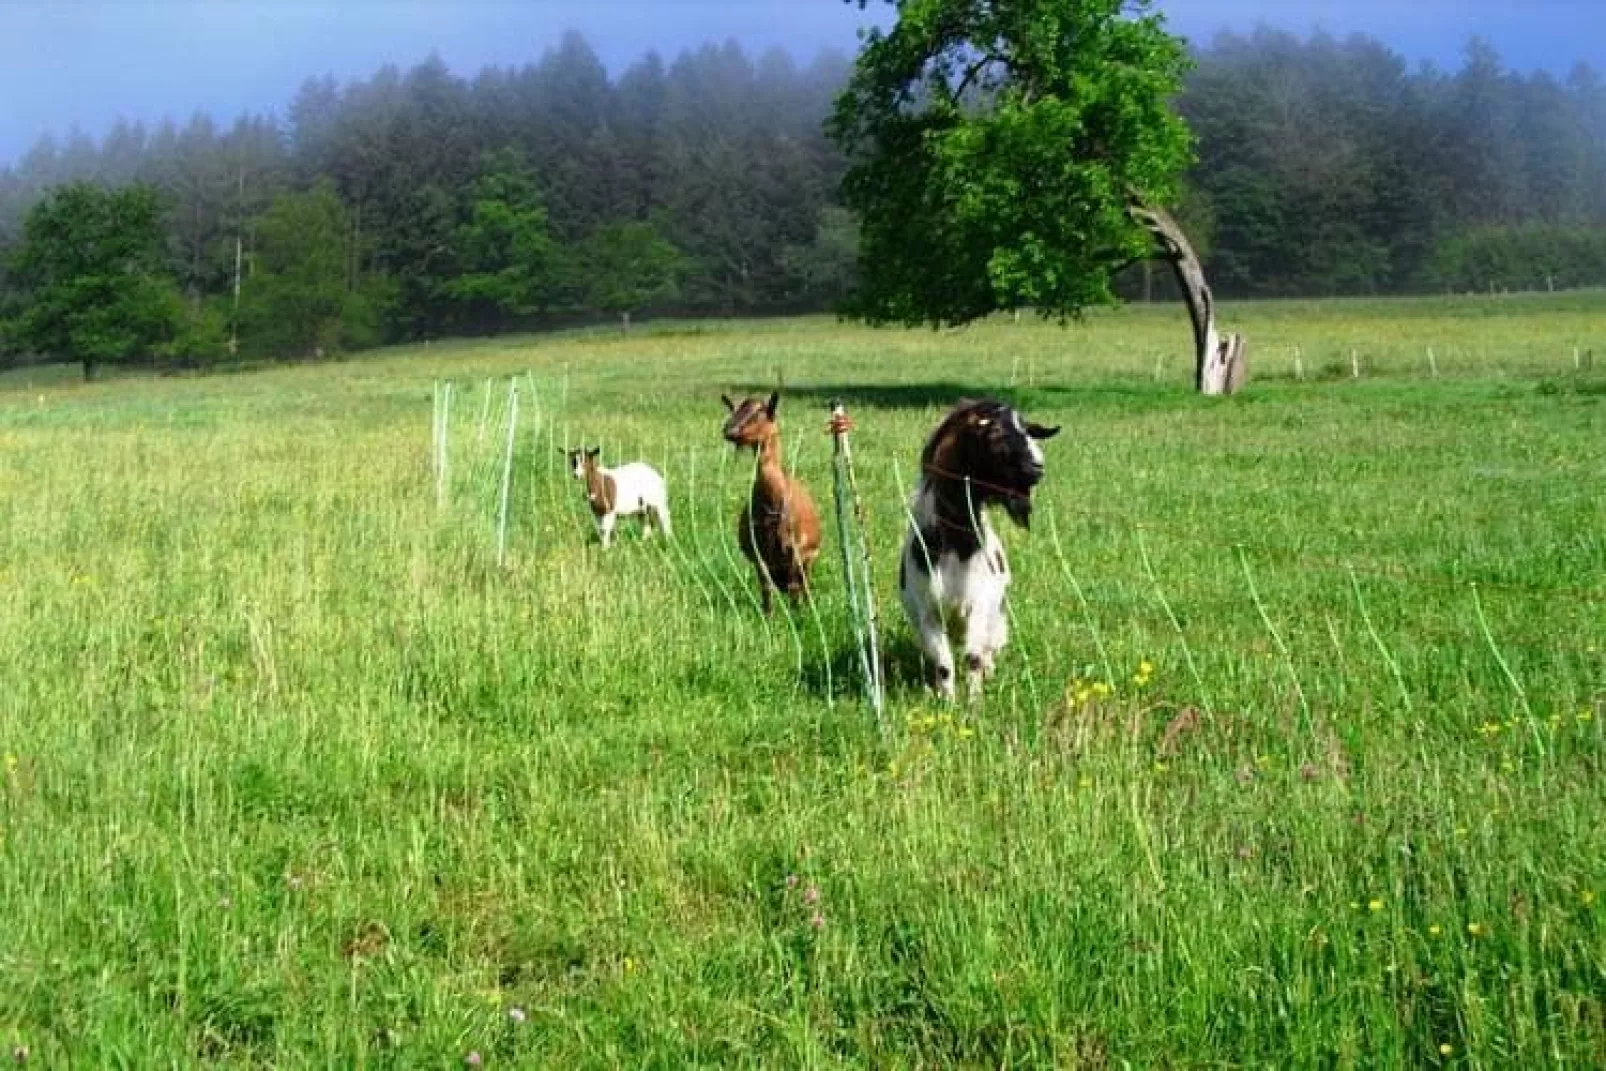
(1012, 153)
(91, 277)
(631, 266)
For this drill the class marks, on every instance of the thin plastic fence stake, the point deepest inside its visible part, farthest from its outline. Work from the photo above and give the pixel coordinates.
(507, 469)
(850, 531)
(442, 475)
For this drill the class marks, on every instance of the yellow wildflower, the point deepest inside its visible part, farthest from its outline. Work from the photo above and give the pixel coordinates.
(1434, 930)
(1084, 782)
(965, 732)
(1376, 904)
(1587, 897)
(1446, 1049)
(1477, 929)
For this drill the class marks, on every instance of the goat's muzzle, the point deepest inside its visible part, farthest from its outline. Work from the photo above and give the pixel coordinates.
(1018, 503)
(733, 432)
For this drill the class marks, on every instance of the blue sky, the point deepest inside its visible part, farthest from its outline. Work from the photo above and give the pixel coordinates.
(84, 63)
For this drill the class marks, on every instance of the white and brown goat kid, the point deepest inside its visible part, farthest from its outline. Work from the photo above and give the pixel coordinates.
(630, 490)
(953, 575)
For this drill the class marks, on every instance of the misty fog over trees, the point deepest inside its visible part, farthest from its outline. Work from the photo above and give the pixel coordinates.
(420, 203)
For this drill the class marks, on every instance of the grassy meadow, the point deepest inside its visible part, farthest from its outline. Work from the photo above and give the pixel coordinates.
(1295, 757)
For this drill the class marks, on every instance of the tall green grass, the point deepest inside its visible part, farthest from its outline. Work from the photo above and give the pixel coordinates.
(295, 774)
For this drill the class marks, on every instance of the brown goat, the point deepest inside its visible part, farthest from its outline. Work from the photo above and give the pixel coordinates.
(779, 530)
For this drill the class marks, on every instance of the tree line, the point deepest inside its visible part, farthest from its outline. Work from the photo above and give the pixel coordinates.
(1328, 166)
(416, 204)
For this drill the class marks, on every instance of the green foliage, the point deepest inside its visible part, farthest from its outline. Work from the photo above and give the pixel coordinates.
(1533, 257)
(91, 279)
(304, 295)
(993, 147)
(630, 266)
(824, 271)
(509, 266)
(1334, 168)
(202, 334)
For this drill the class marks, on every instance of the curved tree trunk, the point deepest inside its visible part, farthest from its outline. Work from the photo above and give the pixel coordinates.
(1219, 361)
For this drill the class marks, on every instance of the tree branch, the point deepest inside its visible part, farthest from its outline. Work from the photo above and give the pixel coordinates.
(970, 75)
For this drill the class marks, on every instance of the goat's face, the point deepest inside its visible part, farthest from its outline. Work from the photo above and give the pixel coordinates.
(752, 422)
(581, 462)
(994, 446)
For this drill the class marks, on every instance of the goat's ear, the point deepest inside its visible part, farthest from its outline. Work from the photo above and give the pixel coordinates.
(775, 400)
(726, 398)
(594, 451)
(1037, 431)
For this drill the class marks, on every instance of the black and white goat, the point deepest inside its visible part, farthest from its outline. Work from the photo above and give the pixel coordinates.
(953, 574)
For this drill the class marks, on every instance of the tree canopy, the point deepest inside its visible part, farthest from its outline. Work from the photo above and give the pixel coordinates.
(630, 265)
(304, 298)
(91, 273)
(993, 145)
(507, 263)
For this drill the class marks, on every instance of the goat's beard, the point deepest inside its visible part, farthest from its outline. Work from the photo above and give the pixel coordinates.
(1019, 508)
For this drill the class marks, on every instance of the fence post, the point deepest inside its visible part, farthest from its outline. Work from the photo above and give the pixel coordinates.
(861, 587)
(507, 468)
(443, 453)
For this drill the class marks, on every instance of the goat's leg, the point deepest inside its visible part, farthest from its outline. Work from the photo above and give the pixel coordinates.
(605, 528)
(997, 636)
(933, 639)
(797, 582)
(985, 629)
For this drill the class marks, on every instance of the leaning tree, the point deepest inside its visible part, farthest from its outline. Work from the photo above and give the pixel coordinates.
(1009, 154)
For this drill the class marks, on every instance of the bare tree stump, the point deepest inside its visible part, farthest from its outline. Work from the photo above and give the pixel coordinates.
(1220, 363)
